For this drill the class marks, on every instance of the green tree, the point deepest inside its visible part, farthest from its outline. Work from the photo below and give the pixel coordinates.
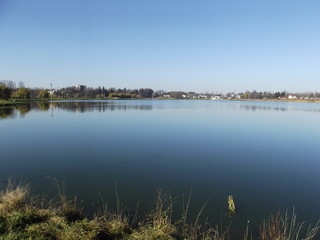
(4, 92)
(43, 94)
(244, 95)
(22, 93)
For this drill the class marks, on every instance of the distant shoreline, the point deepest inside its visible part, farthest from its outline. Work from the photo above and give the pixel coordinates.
(8, 103)
(278, 100)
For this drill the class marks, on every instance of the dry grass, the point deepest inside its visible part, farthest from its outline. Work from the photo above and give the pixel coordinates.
(114, 224)
(196, 230)
(286, 227)
(80, 230)
(206, 232)
(22, 217)
(159, 223)
(66, 206)
(13, 197)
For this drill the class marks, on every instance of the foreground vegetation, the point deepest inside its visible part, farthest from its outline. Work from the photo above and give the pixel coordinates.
(23, 216)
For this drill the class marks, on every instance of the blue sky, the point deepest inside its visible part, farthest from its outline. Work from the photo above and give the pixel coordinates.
(198, 45)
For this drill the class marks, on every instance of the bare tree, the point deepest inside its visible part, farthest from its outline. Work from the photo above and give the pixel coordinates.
(10, 84)
(21, 84)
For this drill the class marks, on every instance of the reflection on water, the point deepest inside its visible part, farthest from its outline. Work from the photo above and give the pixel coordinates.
(13, 112)
(42, 106)
(23, 110)
(100, 106)
(282, 107)
(7, 112)
(147, 105)
(70, 106)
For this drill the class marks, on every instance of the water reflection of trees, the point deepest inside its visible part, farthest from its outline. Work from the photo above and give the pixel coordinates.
(103, 106)
(11, 112)
(42, 106)
(7, 112)
(277, 108)
(23, 110)
(262, 108)
(98, 106)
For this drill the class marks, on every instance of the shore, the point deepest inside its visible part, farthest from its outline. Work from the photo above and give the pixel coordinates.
(13, 102)
(26, 101)
(280, 100)
(23, 216)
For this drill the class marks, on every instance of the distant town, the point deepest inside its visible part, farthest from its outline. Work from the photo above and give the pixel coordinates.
(11, 90)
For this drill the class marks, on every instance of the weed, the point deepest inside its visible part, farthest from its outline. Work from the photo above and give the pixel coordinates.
(286, 227)
(231, 206)
(26, 218)
(13, 197)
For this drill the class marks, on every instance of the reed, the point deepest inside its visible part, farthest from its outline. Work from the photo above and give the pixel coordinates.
(286, 227)
(231, 206)
(24, 217)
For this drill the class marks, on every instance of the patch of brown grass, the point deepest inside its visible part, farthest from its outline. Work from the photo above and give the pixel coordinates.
(286, 227)
(13, 197)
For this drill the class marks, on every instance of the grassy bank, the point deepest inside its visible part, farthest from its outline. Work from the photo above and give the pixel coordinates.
(11, 103)
(14, 102)
(23, 216)
(17, 102)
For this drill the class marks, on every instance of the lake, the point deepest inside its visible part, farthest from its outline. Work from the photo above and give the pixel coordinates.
(265, 154)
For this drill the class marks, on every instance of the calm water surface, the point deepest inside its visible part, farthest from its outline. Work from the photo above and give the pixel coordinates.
(266, 154)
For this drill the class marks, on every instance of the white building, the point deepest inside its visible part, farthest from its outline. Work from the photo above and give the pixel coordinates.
(292, 96)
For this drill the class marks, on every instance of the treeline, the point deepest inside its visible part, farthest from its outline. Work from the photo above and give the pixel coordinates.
(81, 91)
(274, 95)
(9, 89)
